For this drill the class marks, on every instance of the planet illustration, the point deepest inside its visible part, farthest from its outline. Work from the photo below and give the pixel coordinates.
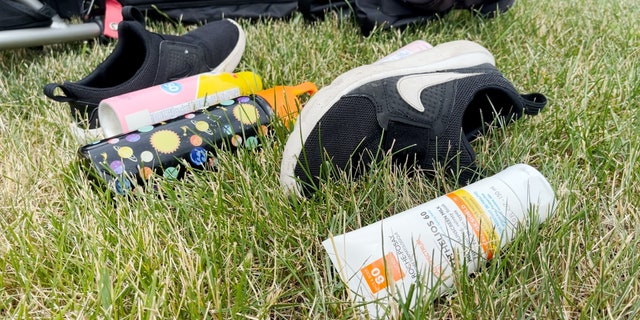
(146, 173)
(246, 113)
(263, 130)
(117, 166)
(195, 140)
(133, 137)
(145, 129)
(122, 185)
(113, 141)
(236, 140)
(189, 115)
(125, 153)
(202, 126)
(227, 129)
(146, 156)
(165, 141)
(251, 142)
(170, 173)
(198, 156)
(213, 161)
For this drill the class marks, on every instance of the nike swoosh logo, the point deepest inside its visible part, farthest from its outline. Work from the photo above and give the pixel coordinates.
(410, 87)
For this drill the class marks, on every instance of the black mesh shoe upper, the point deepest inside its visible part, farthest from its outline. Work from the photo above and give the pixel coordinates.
(347, 136)
(375, 119)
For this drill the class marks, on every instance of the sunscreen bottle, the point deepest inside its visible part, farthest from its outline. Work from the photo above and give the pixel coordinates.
(423, 245)
(134, 110)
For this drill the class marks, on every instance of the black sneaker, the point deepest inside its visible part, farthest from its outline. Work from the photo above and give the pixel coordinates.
(143, 59)
(422, 109)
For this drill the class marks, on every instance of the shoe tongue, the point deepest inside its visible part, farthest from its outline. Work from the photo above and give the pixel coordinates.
(495, 104)
(137, 41)
(155, 65)
(135, 34)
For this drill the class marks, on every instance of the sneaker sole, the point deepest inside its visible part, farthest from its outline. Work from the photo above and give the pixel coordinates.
(450, 55)
(233, 59)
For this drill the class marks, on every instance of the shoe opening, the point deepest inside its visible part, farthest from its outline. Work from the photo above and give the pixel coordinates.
(123, 63)
(489, 107)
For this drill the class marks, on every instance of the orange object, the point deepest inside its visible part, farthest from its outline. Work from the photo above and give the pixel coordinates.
(284, 100)
(377, 273)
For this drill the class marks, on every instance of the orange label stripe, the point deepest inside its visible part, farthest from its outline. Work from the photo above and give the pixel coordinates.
(377, 273)
(478, 220)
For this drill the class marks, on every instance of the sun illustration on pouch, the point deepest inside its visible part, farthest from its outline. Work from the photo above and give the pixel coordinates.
(165, 141)
(246, 113)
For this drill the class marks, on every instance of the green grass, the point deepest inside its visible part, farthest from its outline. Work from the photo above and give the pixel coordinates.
(229, 244)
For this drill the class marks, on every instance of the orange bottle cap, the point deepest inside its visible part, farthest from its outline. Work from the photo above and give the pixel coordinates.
(284, 99)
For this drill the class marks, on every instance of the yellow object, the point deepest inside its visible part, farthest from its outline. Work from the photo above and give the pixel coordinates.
(284, 100)
(246, 81)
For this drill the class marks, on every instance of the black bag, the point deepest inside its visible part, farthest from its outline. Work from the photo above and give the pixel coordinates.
(316, 9)
(68, 8)
(199, 11)
(208, 10)
(400, 13)
(369, 13)
(15, 15)
(193, 11)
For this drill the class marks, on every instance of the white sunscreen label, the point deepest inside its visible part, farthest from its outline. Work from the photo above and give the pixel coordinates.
(384, 259)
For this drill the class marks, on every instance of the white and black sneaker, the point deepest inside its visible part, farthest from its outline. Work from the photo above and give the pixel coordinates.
(422, 109)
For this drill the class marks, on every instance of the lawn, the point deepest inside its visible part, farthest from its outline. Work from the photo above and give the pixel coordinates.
(230, 244)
